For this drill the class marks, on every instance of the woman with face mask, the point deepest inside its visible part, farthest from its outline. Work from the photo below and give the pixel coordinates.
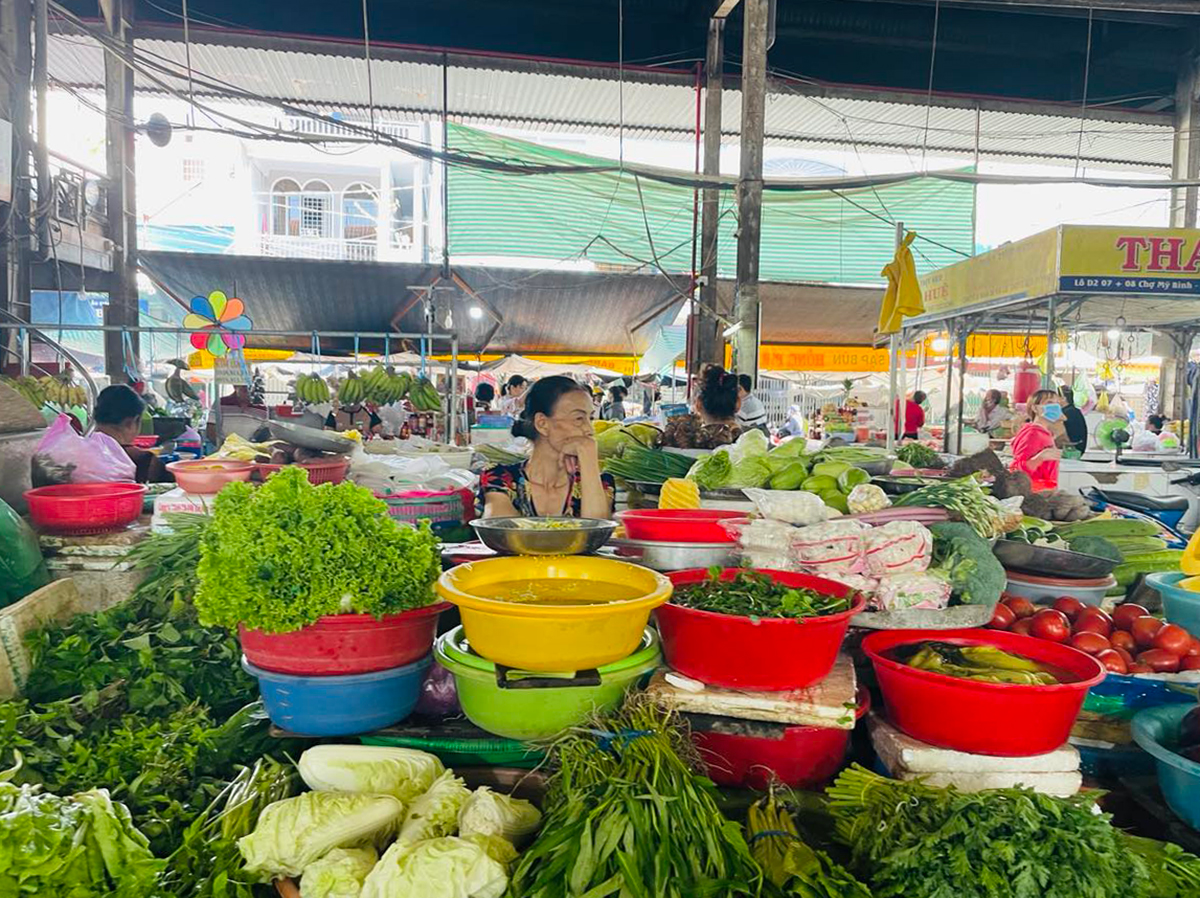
(562, 474)
(1033, 448)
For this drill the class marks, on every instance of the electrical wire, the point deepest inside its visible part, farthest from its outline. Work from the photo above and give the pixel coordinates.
(1087, 67)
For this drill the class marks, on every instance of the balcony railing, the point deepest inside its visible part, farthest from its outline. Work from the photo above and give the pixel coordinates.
(288, 247)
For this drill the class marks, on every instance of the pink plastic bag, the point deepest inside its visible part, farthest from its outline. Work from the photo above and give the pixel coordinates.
(66, 457)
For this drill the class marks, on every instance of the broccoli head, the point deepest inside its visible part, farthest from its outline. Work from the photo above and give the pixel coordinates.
(966, 560)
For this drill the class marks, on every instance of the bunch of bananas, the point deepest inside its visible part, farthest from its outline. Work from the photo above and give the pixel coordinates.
(311, 389)
(351, 391)
(59, 390)
(384, 386)
(424, 397)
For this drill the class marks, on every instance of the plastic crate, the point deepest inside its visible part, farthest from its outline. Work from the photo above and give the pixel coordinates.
(332, 471)
(441, 507)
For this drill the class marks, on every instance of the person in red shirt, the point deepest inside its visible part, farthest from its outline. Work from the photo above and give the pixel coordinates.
(914, 415)
(1033, 448)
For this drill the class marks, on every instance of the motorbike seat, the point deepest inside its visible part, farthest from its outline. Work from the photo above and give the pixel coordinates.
(1143, 503)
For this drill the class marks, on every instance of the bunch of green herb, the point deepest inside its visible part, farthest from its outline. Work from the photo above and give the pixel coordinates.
(751, 594)
(916, 841)
(207, 863)
(281, 556)
(919, 456)
(1174, 873)
(626, 815)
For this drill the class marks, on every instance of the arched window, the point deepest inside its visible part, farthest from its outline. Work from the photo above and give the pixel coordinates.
(360, 210)
(301, 211)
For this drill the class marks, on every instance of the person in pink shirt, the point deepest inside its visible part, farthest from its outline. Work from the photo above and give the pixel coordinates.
(1033, 449)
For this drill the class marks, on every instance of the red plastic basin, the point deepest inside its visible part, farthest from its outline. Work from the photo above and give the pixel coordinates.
(982, 718)
(678, 525)
(804, 758)
(345, 643)
(770, 654)
(80, 509)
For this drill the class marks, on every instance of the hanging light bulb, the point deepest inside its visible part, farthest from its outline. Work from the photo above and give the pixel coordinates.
(449, 319)
(1114, 334)
(475, 312)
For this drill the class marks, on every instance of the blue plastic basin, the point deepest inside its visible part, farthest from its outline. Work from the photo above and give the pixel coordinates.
(1156, 730)
(340, 705)
(1180, 606)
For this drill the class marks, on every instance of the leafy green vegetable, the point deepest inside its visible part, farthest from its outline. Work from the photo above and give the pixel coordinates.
(81, 845)
(293, 833)
(447, 867)
(751, 594)
(1096, 545)
(976, 576)
(489, 813)
(281, 556)
(339, 874)
(380, 769)
(626, 815)
(435, 814)
(910, 840)
(753, 471)
(919, 456)
(1174, 873)
(712, 472)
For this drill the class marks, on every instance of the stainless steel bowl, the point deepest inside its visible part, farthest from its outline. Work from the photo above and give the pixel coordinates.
(522, 536)
(664, 556)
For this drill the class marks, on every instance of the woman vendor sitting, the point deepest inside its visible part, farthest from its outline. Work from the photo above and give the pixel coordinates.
(562, 474)
(118, 414)
(1033, 448)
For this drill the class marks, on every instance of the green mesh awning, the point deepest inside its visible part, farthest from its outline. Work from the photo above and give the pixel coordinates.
(616, 218)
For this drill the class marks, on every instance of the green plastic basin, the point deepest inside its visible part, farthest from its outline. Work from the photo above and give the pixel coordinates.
(527, 705)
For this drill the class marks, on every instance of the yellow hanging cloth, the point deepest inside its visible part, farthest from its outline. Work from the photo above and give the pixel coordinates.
(903, 295)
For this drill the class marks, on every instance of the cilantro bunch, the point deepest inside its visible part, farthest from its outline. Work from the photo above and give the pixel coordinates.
(279, 557)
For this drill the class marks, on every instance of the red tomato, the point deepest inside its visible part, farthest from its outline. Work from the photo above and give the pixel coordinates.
(1124, 615)
(1194, 648)
(1174, 639)
(1022, 627)
(1190, 662)
(1160, 660)
(1122, 640)
(1113, 661)
(1144, 629)
(1090, 623)
(1002, 618)
(1022, 608)
(1099, 613)
(1137, 667)
(1124, 654)
(1050, 625)
(1069, 606)
(1092, 643)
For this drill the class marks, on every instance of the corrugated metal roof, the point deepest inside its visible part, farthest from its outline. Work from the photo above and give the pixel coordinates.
(541, 311)
(814, 313)
(542, 96)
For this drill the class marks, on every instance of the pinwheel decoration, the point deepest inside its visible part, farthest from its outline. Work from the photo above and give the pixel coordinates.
(220, 323)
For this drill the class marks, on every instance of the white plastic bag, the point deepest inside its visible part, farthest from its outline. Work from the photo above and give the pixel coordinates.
(898, 547)
(900, 592)
(760, 534)
(835, 547)
(791, 506)
(66, 457)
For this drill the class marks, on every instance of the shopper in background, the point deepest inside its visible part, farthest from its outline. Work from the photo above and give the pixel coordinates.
(1033, 449)
(1073, 422)
(562, 474)
(1155, 423)
(992, 412)
(512, 396)
(118, 414)
(751, 413)
(614, 408)
(914, 416)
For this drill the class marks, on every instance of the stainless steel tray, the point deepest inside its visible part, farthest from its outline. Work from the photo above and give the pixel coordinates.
(582, 536)
(310, 437)
(1046, 562)
(664, 556)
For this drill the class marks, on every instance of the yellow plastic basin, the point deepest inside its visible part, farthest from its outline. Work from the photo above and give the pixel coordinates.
(553, 638)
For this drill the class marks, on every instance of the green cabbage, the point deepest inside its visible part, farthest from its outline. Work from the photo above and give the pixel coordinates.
(754, 471)
(498, 848)
(339, 874)
(435, 813)
(489, 813)
(381, 770)
(293, 833)
(751, 444)
(712, 471)
(437, 868)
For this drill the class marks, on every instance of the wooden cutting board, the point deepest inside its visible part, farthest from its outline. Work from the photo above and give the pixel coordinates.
(829, 703)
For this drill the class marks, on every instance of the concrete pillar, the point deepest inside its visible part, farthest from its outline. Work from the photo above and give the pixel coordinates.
(1185, 157)
(707, 346)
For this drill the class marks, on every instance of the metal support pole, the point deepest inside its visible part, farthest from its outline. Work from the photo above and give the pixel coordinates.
(1185, 156)
(756, 16)
(41, 154)
(453, 410)
(949, 387)
(19, 243)
(707, 329)
(902, 383)
(1051, 324)
(893, 344)
(122, 308)
(962, 383)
